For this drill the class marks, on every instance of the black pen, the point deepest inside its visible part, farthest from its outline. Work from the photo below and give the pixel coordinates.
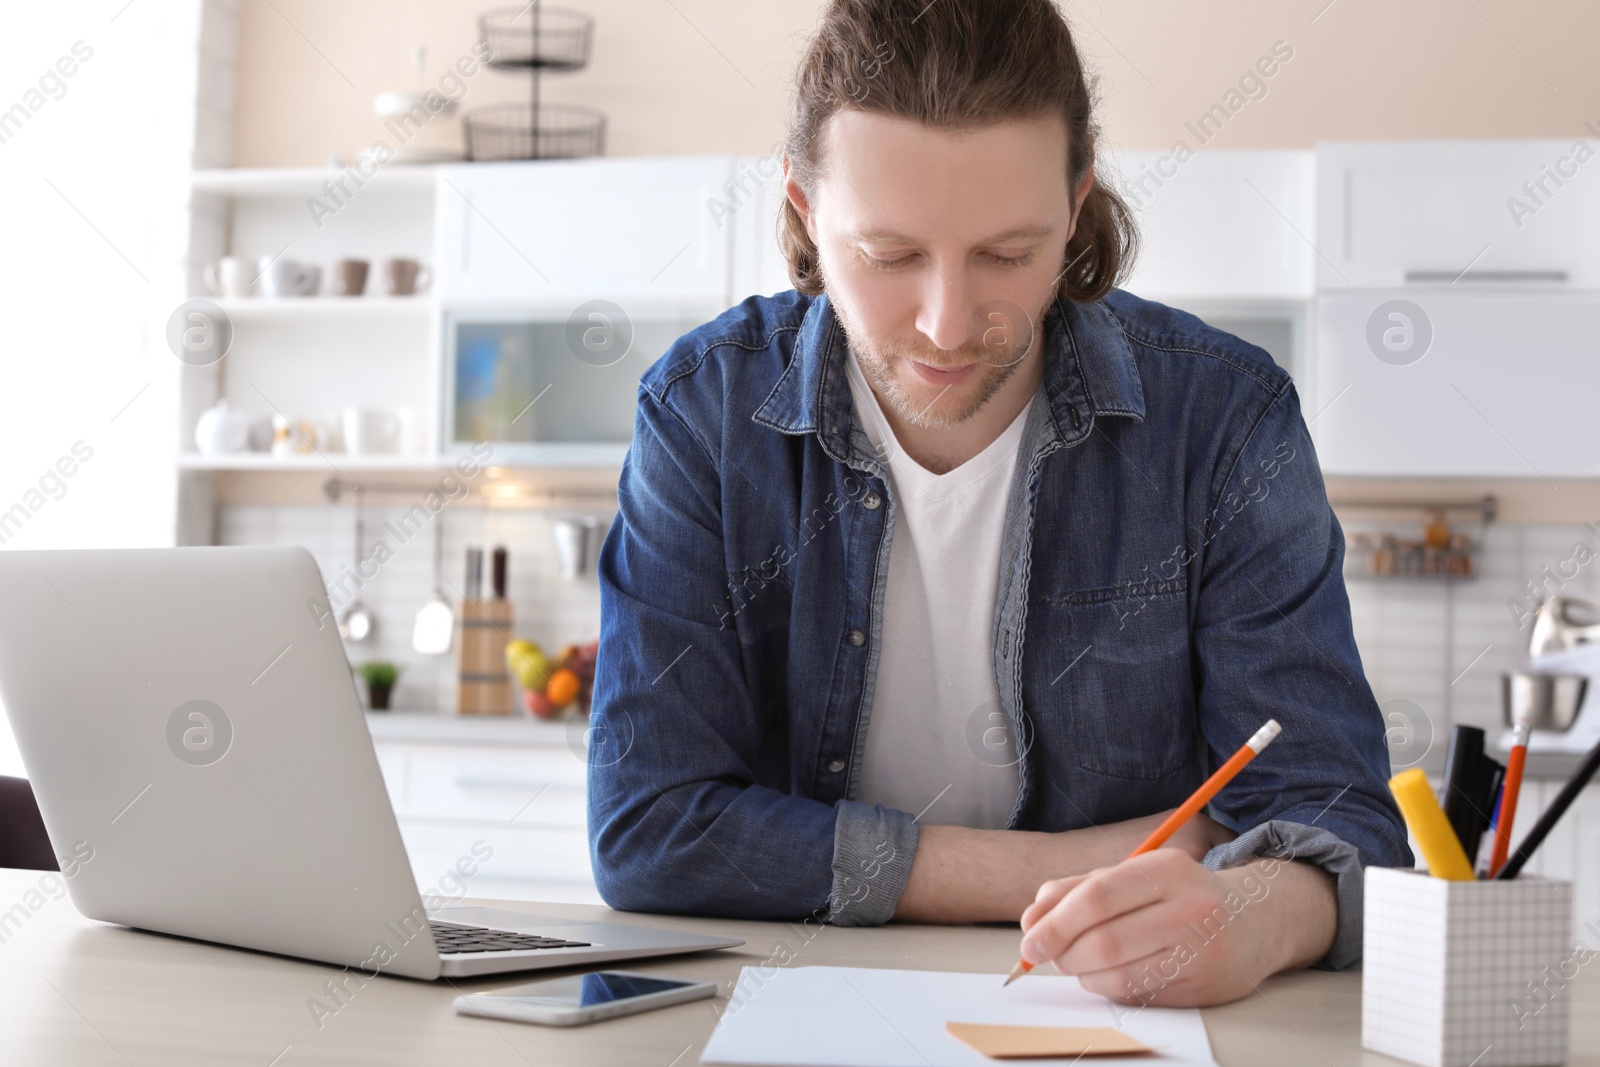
(1468, 793)
(1547, 821)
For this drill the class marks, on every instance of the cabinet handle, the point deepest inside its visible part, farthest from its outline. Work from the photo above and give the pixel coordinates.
(1349, 212)
(1548, 277)
(520, 784)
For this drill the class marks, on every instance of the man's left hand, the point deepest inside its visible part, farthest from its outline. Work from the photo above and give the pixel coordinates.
(1162, 929)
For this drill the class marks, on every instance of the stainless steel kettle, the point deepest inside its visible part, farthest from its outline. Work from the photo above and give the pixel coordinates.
(1563, 623)
(1550, 699)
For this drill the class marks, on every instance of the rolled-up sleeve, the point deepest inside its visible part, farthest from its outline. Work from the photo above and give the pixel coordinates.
(873, 847)
(1273, 639)
(1338, 859)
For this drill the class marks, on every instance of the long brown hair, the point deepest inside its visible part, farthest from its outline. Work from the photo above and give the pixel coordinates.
(955, 64)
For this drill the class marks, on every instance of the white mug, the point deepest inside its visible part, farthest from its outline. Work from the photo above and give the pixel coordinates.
(412, 434)
(288, 277)
(370, 431)
(222, 429)
(228, 277)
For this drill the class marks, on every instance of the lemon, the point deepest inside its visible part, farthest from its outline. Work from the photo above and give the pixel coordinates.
(528, 662)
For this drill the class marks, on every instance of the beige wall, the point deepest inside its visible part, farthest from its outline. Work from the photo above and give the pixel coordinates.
(681, 76)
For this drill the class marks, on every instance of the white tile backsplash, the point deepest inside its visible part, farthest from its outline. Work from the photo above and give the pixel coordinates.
(547, 608)
(1445, 646)
(1441, 646)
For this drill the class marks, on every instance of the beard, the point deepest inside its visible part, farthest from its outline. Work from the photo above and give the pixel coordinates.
(950, 406)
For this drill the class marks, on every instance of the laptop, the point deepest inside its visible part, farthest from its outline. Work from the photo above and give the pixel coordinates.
(192, 730)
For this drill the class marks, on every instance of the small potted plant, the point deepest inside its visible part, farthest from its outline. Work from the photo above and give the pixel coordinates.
(380, 677)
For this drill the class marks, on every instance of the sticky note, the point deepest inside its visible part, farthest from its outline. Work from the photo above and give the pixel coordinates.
(1027, 1042)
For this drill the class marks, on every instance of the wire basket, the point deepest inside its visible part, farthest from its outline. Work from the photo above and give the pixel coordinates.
(535, 37)
(508, 131)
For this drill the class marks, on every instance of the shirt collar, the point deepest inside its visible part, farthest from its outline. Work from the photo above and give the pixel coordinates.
(1089, 371)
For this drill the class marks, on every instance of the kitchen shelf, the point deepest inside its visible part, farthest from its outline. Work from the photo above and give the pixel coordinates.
(1203, 303)
(323, 308)
(560, 455)
(308, 181)
(1486, 507)
(638, 306)
(1405, 559)
(512, 458)
(266, 461)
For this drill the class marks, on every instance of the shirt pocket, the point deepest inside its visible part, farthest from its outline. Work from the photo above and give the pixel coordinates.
(1116, 679)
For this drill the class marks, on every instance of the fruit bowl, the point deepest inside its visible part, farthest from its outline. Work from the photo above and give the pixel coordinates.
(553, 687)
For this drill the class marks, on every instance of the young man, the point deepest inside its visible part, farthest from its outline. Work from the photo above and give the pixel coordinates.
(937, 582)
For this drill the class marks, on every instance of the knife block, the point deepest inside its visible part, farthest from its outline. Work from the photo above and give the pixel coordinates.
(483, 685)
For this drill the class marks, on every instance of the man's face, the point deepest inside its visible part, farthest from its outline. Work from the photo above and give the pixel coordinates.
(940, 252)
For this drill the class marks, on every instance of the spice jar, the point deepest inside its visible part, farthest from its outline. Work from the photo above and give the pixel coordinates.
(1436, 532)
(1460, 558)
(1383, 556)
(1359, 559)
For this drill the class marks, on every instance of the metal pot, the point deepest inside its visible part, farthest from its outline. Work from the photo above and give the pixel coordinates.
(1549, 700)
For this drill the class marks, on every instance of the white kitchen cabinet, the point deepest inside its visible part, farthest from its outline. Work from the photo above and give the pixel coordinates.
(505, 796)
(1570, 853)
(537, 863)
(1483, 212)
(1221, 224)
(633, 231)
(1586, 865)
(518, 786)
(1505, 385)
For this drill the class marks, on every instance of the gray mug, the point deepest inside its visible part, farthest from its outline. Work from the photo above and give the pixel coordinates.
(349, 277)
(405, 277)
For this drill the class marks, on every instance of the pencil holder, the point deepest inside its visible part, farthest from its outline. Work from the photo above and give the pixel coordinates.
(1459, 973)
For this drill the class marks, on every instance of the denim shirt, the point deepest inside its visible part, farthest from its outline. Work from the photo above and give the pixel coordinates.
(1170, 578)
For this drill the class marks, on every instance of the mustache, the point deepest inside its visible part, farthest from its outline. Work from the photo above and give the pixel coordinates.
(973, 350)
(938, 358)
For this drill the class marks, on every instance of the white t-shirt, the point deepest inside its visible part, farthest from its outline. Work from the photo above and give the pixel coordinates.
(938, 742)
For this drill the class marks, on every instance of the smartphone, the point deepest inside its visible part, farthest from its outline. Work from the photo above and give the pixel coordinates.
(583, 998)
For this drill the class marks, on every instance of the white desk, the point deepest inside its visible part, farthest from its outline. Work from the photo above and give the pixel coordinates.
(79, 993)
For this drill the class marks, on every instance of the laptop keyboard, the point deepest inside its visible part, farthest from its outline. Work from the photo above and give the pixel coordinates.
(454, 937)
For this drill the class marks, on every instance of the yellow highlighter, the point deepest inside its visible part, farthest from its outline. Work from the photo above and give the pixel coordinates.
(1441, 849)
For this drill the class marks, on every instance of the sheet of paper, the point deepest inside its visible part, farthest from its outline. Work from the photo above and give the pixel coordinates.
(856, 1017)
(1040, 1042)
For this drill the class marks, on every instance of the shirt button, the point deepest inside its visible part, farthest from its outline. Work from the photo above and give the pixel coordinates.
(856, 637)
(871, 501)
(836, 765)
